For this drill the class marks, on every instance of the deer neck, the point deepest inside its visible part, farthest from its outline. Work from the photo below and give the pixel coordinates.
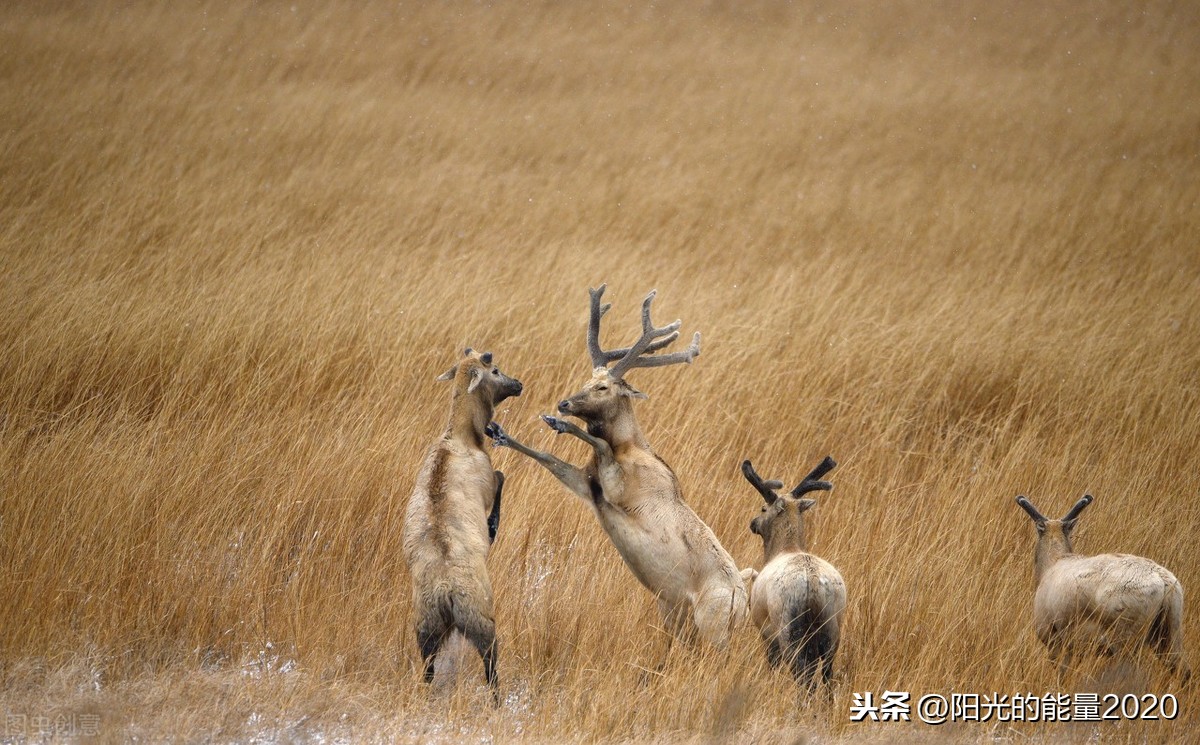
(784, 537)
(1050, 548)
(469, 415)
(621, 430)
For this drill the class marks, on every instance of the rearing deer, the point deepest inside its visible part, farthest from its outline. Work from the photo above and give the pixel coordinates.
(635, 494)
(452, 518)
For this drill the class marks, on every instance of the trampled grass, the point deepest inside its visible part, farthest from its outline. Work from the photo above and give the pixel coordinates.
(957, 246)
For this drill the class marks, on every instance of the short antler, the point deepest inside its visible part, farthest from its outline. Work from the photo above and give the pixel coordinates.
(652, 340)
(812, 481)
(1074, 513)
(1033, 511)
(765, 488)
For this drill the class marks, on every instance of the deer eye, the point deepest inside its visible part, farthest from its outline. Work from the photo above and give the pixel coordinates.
(602, 388)
(495, 371)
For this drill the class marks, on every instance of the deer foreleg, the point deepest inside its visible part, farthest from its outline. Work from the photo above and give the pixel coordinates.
(571, 476)
(603, 450)
(493, 521)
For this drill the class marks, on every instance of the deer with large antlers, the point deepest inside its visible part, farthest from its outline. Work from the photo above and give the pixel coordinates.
(1109, 603)
(635, 494)
(797, 599)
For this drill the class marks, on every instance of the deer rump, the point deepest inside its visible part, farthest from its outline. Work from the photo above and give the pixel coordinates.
(447, 541)
(796, 602)
(1116, 601)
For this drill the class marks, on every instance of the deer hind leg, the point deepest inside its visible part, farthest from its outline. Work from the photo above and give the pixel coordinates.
(484, 640)
(493, 521)
(827, 663)
(675, 619)
(774, 651)
(432, 631)
(717, 612)
(480, 630)
(813, 649)
(1060, 655)
(1166, 636)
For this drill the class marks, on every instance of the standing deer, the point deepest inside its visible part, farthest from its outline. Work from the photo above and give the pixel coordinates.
(1109, 603)
(798, 598)
(452, 518)
(635, 494)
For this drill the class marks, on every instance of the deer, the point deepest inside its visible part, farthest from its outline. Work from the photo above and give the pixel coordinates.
(1109, 603)
(797, 599)
(635, 495)
(452, 519)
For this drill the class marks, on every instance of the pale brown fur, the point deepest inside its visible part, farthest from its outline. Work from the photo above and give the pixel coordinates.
(636, 497)
(451, 517)
(1109, 603)
(797, 599)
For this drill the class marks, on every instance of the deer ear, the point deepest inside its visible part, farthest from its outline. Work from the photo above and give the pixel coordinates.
(476, 378)
(448, 375)
(628, 390)
(807, 504)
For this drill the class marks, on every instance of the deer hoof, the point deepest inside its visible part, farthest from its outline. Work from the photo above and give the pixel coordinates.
(554, 423)
(499, 437)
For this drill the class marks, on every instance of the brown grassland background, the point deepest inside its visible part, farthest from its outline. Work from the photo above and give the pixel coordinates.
(954, 244)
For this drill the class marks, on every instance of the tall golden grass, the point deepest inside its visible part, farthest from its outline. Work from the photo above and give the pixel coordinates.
(956, 245)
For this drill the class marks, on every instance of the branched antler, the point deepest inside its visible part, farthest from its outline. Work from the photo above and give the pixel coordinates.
(765, 488)
(652, 340)
(812, 481)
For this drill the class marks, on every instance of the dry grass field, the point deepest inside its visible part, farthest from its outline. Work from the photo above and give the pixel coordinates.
(955, 245)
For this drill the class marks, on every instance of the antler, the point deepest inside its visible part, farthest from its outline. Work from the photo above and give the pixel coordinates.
(600, 357)
(653, 339)
(1033, 511)
(812, 481)
(765, 488)
(1074, 513)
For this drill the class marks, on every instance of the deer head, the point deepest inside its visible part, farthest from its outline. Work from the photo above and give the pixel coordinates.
(1054, 536)
(607, 393)
(781, 523)
(476, 374)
